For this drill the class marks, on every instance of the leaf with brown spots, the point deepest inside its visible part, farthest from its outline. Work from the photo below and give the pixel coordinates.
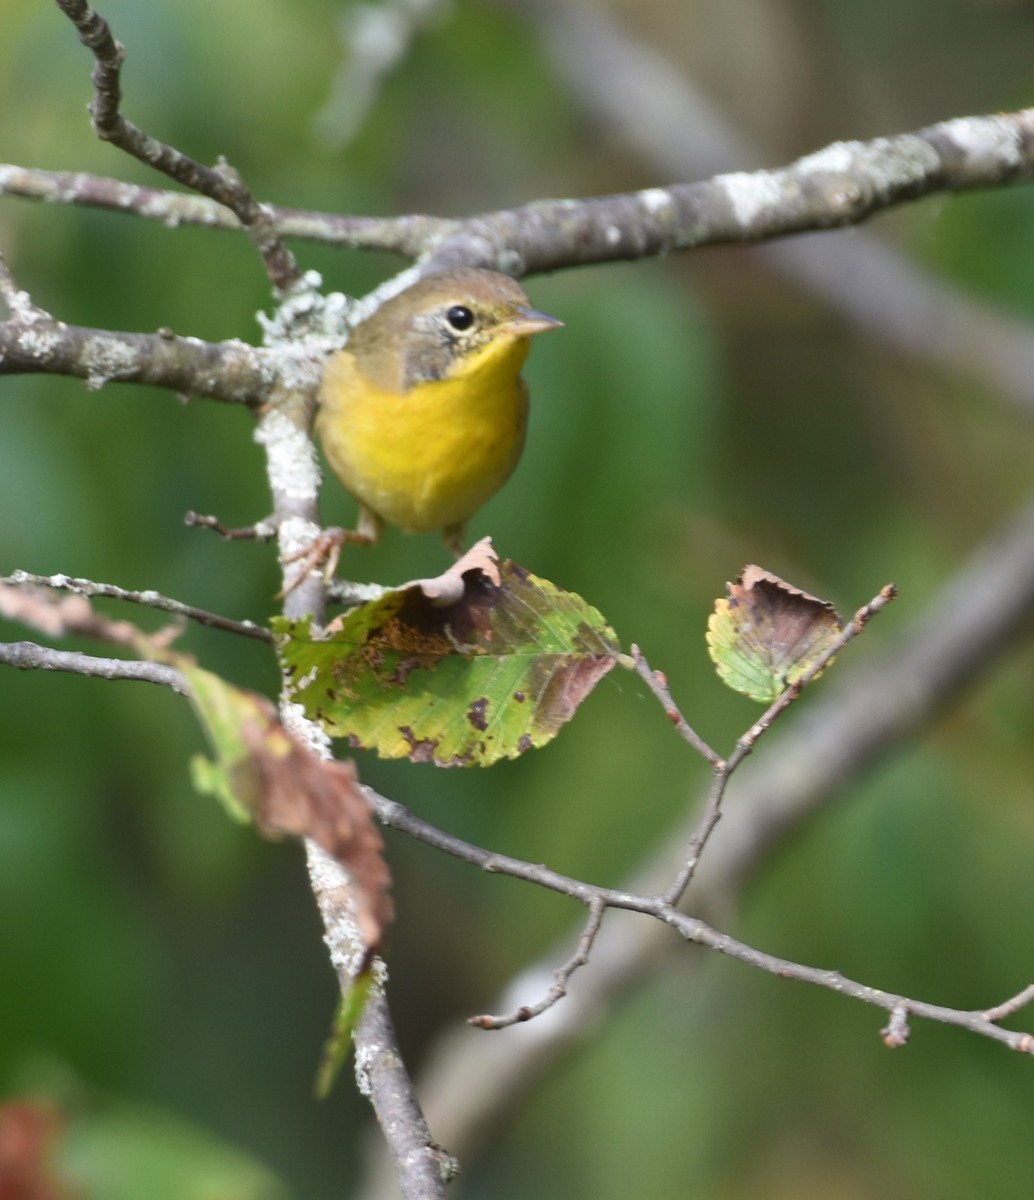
(486, 676)
(767, 634)
(264, 774)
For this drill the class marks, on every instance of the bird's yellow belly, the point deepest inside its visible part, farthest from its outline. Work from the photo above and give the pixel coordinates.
(428, 458)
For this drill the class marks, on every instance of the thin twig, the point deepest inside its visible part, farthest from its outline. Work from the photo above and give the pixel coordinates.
(408, 236)
(558, 991)
(1008, 1007)
(697, 931)
(693, 929)
(28, 656)
(149, 599)
(470, 1085)
(657, 682)
(261, 531)
(221, 183)
(724, 768)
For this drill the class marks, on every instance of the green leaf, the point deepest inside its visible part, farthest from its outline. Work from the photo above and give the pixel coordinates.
(225, 712)
(339, 1041)
(420, 673)
(767, 634)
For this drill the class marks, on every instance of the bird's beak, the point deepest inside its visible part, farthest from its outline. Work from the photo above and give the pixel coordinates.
(526, 321)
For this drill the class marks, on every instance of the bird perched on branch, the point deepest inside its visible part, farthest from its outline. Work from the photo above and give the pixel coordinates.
(423, 414)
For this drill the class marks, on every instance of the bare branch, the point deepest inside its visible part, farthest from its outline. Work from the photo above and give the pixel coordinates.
(468, 1085)
(408, 236)
(222, 183)
(424, 1168)
(844, 184)
(397, 816)
(697, 931)
(421, 1166)
(657, 682)
(149, 598)
(691, 928)
(28, 656)
(558, 991)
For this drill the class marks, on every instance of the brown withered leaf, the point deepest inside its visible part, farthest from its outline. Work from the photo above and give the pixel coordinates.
(768, 633)
(266, 774)
(309, 797)
(448, 588)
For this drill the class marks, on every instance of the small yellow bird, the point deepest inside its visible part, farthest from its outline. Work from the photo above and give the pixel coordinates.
(422, 415)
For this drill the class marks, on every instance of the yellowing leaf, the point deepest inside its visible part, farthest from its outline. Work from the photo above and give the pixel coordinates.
(767, 634)
(485, 676)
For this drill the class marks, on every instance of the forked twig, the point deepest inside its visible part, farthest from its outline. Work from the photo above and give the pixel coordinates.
(221, 183)
(724, 768)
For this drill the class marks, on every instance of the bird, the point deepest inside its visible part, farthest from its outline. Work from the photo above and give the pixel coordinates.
(422, 415)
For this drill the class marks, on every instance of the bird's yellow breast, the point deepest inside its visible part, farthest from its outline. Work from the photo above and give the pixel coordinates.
(429, 457)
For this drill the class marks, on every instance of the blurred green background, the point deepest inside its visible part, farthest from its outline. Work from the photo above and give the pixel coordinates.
(163, 975)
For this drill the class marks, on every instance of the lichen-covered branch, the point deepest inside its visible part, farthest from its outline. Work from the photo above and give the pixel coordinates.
(35, 343)
(632, 89)
(842, 184)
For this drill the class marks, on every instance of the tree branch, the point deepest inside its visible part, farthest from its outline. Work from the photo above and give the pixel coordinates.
(697, 931)
(231, 371)
(28, 656)
(869, 707)
(407, 236)
(637, 92)
(420, 1165)
(221, 183)
(843, 184)
(424, 1168)
(149, 599)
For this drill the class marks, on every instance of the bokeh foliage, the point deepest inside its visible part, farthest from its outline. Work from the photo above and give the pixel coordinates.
(693, 416)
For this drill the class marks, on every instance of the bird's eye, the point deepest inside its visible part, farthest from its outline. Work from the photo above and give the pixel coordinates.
(460, 317)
